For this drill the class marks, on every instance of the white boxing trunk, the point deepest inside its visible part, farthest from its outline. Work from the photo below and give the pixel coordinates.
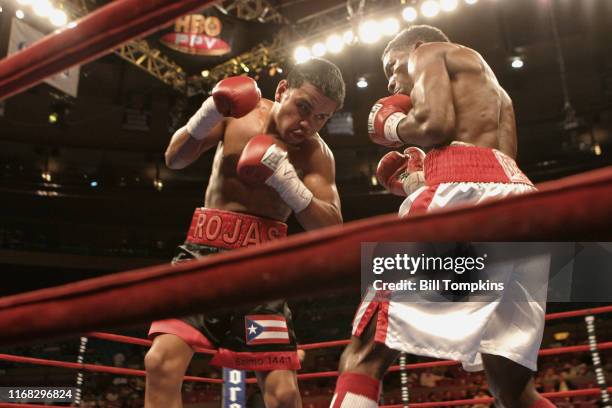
(511, 325)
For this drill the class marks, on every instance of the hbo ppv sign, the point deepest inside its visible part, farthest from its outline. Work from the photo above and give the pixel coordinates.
(234, 388)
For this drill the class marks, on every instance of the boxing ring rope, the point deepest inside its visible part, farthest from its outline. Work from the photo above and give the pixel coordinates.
(132, 372)
(96, 368)
(94, 35)
(327, 259)
(334, 343)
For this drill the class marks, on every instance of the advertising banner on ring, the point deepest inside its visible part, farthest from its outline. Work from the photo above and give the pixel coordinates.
(234, 388)
(22, 36)
(201, 41)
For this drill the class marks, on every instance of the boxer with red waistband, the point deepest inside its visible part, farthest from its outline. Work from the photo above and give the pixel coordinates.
(445, 99)
(269, 162)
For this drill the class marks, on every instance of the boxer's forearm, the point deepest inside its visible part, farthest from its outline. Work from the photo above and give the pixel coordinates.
(319, 214)
(424, 133)
(182, 150)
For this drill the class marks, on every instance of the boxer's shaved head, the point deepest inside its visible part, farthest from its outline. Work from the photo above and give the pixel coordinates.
(415, 34)
(321, 73)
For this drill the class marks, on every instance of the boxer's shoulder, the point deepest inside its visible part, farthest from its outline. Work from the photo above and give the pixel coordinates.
(457, 57)
(312, 155)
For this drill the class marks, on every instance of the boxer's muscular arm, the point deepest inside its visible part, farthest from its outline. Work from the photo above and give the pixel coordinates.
(507, 126)
(184, 149)
(431, 121)
(324, 209)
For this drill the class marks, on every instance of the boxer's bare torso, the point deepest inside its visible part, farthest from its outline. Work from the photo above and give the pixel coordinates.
(455, 96)
(227, 192)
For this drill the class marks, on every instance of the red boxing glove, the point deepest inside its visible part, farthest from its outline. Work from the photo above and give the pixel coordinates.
(402, 174)
(236, 96)
(384, 118)
(263, 161)
(256, 163)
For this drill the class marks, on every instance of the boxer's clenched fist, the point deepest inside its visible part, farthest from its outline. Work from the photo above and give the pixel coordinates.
(402, 173)
(263, 161)
(384, 118)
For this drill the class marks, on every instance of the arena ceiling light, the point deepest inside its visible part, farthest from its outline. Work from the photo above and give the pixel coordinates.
(334, 43)
(301, 54)
(470, 2)
(319, 49)
(390, 26)
(348, 37)
(58, 18)
(362, 82)
(430, 8)
(42, 8)
(517, 63)
(448, 5)
(24, 2)
(369, 32)
(19, 14)
(409, 14)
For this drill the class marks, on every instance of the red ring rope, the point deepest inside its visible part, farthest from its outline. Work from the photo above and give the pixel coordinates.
(327, 258)
(94, 35)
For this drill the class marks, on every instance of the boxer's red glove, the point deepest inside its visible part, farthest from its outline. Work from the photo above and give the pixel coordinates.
(384, 117)
(236, 96)
(233, 97)
(263, 161)
(401, 174)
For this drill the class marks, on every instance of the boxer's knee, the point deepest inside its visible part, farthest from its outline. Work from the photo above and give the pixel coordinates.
(284, 396)
(166, 361)
(280, 389)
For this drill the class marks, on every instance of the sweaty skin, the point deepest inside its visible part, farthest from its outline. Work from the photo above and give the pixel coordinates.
(455, 97)
(294, 120)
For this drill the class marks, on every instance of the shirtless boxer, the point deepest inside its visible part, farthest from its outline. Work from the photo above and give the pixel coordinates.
(445, 99)
(269, 162)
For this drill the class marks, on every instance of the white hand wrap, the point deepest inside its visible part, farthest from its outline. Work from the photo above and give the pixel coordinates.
(287, 184)
(413, 181)
(206, 118)
(391, 125)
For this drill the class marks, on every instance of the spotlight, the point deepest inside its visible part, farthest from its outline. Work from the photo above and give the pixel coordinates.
(448, 5)
(301, 54)
(205, 73)
(390, 26)
(46, 176)
(318, 49)
(158, 184)
(597, 149)
(72, 24)
(517, 63)
(369, 32)
(362, 82)
(409, 14)
(334, 43)
(93, 183)
(279, 70)
(244, 67)
(58, 18)
(348, 37)
(42, 8)
(430, 8)
(470, 2)
(19, 14)
(24, 2)
(57, 113)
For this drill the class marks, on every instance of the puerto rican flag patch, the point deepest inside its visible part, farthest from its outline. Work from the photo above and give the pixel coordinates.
(265, 329)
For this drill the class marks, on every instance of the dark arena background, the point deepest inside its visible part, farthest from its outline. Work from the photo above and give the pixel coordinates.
(85, 192)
